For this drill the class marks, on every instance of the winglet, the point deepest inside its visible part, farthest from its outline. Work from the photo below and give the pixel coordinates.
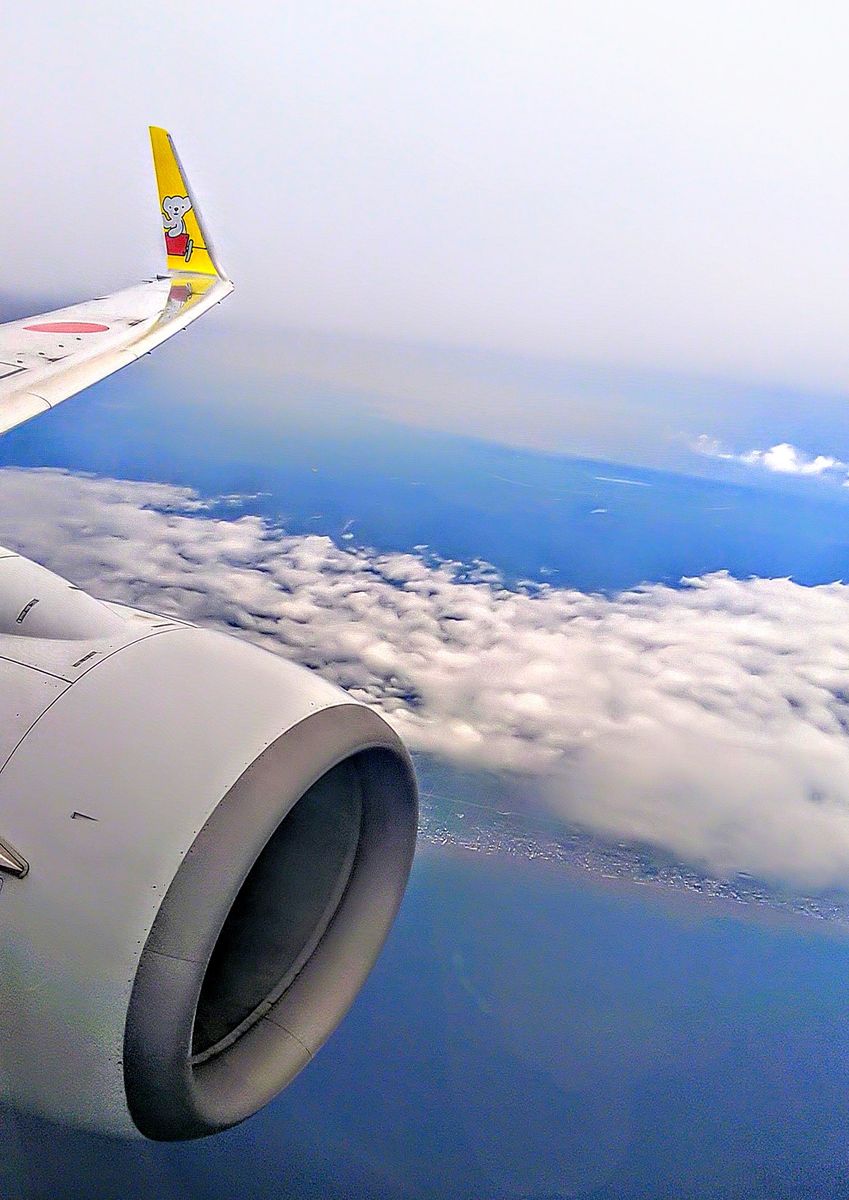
(187, 245)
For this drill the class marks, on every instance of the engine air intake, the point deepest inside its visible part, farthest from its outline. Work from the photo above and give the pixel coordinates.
(271, 924)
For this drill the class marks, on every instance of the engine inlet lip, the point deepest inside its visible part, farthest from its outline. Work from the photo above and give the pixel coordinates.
(169, 1095)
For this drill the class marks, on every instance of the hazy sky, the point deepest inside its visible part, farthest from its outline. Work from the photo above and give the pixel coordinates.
(639, 184)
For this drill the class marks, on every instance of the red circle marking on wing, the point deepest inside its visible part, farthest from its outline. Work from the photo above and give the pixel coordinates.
(67, 327)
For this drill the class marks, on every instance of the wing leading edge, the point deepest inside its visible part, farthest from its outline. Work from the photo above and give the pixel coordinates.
(49, 358)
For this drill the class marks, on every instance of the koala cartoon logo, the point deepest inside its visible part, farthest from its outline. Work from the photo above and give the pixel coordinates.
(177, 240)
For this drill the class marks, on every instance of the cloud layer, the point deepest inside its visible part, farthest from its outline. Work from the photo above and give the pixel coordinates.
(783, 458)
(709, 719)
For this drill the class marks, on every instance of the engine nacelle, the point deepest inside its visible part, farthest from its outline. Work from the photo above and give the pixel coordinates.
(202, 850)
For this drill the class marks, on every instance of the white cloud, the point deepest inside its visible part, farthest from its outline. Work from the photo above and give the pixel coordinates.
(782, 458)
(787, 460)
(710, 719)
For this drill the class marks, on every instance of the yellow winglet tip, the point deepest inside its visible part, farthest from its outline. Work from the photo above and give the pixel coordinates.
(187, 245)
(158, 136)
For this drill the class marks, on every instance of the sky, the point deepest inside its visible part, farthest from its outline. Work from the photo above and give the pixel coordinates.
(467, 240)
(587, 229)
(657, 185)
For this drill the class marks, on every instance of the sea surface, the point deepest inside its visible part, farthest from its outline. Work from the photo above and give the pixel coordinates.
(318, 459)
(529, 1032)
(534, 1028)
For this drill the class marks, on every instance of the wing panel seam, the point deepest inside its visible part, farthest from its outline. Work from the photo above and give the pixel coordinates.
(65, 691)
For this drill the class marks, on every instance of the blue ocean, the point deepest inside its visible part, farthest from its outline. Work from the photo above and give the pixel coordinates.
(531, 1030)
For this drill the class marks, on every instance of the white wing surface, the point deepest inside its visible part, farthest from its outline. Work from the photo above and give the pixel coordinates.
(46, 359)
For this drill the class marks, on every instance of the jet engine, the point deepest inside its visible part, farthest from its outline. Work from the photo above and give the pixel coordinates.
(202, 849)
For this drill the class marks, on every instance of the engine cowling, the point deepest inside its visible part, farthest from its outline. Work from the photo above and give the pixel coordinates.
(202, 850)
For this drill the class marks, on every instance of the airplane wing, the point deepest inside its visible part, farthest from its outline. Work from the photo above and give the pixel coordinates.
(46, 359)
